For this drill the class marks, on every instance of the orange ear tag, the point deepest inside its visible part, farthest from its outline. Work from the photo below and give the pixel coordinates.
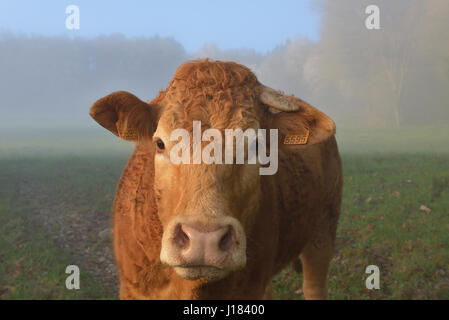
(297, 138)
(128, 134)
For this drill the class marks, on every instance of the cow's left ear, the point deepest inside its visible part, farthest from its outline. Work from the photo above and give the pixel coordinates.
(297, 121)
(126, 116)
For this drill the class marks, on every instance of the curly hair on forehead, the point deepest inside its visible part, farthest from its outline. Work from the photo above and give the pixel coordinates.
(220, 94)
(214, 74)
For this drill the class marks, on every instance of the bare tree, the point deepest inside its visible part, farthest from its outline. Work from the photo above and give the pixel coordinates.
(397, 45)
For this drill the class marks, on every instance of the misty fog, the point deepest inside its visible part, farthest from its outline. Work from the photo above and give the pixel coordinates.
(395, 76)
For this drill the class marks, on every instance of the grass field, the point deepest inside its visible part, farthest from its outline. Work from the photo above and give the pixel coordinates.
(56, 192)
(382, 224)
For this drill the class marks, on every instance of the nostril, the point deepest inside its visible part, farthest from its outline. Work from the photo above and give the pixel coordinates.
(228, 240)
(180, 238)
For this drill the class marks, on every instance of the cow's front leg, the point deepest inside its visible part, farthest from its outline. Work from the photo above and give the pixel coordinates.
(268, 295)
(315, 266)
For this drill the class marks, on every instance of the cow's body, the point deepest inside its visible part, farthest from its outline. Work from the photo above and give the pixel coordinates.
(301, 208)
(297, 215)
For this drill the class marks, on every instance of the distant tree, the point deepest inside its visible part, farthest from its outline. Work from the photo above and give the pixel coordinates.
(378, 72)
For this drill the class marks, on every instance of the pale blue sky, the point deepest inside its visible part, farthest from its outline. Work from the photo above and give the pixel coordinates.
(256, 24)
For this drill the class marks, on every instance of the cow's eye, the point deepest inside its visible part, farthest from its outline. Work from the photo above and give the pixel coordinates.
(160, 145)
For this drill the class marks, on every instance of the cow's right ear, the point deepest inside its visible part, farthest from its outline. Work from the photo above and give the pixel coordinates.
(126, 116)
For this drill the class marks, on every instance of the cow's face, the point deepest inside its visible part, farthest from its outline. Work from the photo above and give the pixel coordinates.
(207, 209)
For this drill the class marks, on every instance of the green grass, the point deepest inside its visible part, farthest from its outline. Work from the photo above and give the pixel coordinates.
(381, 224)
(31, 266)
(388, 176)
(75, 189)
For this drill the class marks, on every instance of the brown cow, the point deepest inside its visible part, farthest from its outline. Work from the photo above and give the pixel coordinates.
(221, 231)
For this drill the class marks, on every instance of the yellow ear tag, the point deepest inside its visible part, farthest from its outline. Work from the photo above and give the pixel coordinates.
(297, 138)
(128, 134)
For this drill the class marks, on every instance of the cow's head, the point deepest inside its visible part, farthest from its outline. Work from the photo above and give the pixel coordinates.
(207, 210)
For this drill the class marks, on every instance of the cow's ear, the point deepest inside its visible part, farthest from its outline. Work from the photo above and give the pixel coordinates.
(126, 116)
(298, 122)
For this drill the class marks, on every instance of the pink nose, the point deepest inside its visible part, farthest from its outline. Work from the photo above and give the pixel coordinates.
(204, 247)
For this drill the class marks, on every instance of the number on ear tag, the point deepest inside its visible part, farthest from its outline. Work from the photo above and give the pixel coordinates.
(297, 138)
